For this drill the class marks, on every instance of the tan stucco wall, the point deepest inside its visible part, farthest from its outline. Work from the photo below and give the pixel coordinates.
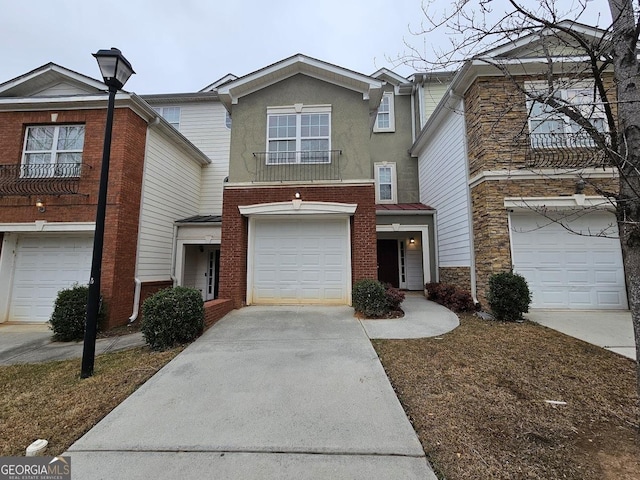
(349, 124)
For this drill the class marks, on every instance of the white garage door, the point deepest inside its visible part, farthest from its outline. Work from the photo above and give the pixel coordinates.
(565, 270)
(300, 261)
(44, 265)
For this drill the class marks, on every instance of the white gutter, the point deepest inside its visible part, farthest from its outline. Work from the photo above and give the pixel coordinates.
(136, 300)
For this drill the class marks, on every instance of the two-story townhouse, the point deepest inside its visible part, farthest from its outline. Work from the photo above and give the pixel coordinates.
(518, 186)
(51, 135)
(319, 171)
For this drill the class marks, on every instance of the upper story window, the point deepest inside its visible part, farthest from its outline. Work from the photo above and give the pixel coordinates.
(385, 121)
(52, 151)
(551, 129)
(386, 184)
(227, 120)
(170, 114)
(299, 134)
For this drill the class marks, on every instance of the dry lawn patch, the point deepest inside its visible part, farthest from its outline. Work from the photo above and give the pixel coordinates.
(477, 399)
(50, 401)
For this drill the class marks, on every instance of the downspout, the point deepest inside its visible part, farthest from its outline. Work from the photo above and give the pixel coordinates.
(174, 247)
(136, 300)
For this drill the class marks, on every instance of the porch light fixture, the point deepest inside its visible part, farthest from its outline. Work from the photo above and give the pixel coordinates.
(297, 195)
(115, 70)
(41, 206)
(412, 240)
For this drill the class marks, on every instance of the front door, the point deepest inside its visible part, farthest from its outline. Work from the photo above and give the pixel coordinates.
(388, 262)
(212, 270)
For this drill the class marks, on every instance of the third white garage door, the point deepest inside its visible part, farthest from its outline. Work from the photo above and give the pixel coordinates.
(299, 261)
(565, 270)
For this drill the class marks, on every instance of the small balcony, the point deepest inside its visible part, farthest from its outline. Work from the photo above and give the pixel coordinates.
(27, 180)
(300, 166)
(562, 150)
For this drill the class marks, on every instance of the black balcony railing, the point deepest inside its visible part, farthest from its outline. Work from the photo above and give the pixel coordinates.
(26, 180)
(301, 166)
(562, 150)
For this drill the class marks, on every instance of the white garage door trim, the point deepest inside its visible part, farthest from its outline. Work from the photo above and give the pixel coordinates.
(262, 220)
(36, 279)
(565, 270)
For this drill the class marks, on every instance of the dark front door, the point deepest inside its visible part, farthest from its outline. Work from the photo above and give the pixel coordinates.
(388, 262)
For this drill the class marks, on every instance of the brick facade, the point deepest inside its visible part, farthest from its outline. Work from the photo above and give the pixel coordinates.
(233, 255)
(123, 199)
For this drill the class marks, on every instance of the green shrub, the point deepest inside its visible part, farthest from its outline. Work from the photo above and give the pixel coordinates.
(450, 296)
(172, 316)
(369, 298)
(508, 296)
(70, 312)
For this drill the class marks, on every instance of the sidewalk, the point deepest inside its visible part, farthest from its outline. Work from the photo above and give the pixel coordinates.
(33, 343)
(266, 393)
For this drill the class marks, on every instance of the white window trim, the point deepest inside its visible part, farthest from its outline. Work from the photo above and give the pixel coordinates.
(298, 110)
(392, 116)
(563, 87)
(160, 110)
(394, 182)
(53, 151)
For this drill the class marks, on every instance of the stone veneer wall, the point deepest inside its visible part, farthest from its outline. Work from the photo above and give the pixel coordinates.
(458, 276)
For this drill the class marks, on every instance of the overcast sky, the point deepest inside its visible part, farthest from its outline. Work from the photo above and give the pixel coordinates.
(184, 45)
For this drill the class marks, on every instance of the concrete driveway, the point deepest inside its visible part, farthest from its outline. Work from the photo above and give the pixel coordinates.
(268, 392)
(610, 329)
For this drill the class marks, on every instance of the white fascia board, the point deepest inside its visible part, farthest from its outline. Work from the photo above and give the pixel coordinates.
(542, 174)
(75, 76)
(367, 83)
(44, 226)
(576, 201)
(71, 102)
(298, 207)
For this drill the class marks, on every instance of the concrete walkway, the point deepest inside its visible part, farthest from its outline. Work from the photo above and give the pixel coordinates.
(33, 343)
(267, 392)
(610, 329)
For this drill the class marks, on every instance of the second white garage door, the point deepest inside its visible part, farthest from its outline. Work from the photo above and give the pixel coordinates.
(45, 264)
(299, 261)
(566, 270)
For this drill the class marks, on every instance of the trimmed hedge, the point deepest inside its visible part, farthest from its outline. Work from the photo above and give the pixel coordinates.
(172, 316)
(374, 299)
(70, 313)
(508, 296)
(450, 296)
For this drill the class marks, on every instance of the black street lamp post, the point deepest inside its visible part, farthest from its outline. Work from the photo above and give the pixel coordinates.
(115, 70)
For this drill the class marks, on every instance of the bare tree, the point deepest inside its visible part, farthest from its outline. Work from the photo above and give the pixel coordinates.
(609, 60)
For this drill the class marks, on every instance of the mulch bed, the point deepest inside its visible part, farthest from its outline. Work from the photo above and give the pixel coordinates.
(477, 398)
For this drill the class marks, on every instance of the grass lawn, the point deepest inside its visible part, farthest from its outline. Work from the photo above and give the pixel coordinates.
(477, 398)
(50, 401)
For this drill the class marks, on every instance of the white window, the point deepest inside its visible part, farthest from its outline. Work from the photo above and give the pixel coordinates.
(385, 177)
(227, 120)
(170, 114)
(551, 129)
(385, 121)
(299, 134)
(52, 151)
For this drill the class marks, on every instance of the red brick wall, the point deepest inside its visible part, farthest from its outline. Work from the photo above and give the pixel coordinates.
(214, 310)
(233, 255)
(123, 199)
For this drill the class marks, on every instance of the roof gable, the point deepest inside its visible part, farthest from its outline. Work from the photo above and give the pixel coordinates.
(51, 80)
(369, 87)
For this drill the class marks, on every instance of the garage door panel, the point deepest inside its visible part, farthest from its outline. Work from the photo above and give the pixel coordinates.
(44, 265)
(566, 270)
(307, 262)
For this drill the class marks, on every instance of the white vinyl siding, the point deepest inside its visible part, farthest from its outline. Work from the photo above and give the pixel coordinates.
(62, 90)
(170, 191)
(443, 186)
(432, 93)
(204, 125)
(413, 265)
